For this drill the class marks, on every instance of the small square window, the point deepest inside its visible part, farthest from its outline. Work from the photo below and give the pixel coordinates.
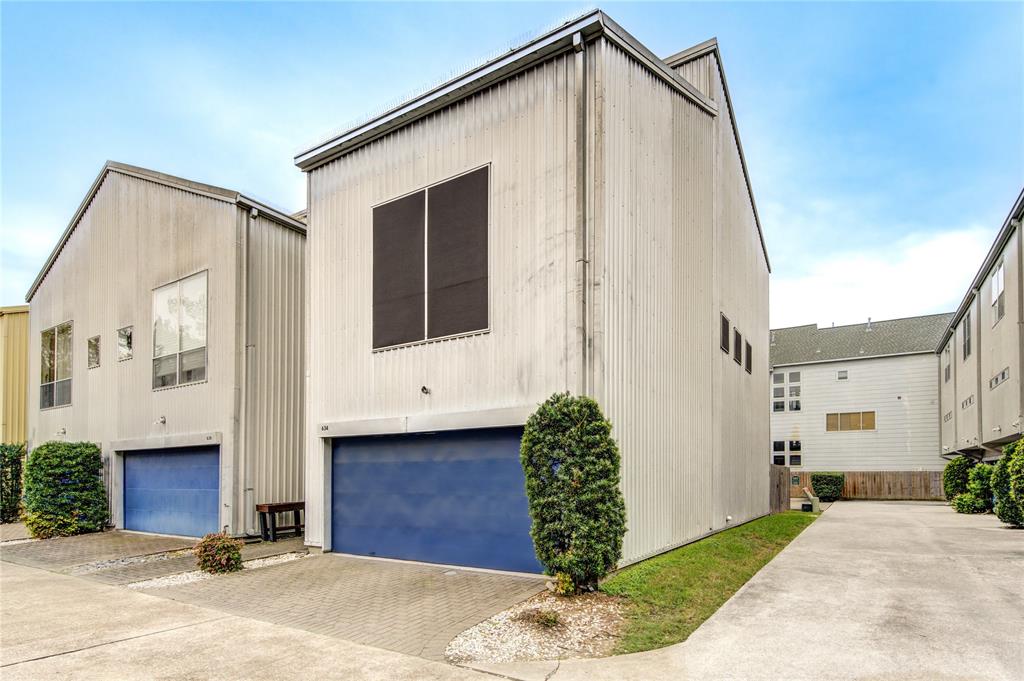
(794, 405)
(794, 445)
(124, 343)
(94, 352)
(779, 405)
(794, 459)
(778, 378)
(841, 375)
(778, 392)
(779, 459)
(779, 446)
(794, 391)
(794, 376)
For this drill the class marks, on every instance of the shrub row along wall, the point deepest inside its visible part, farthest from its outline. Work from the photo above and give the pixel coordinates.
(911, 485)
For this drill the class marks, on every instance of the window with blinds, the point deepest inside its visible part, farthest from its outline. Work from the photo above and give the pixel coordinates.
(851, 420)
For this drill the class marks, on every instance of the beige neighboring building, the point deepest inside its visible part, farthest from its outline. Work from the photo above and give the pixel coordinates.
(981, 353)
(167, 326)
(13, 372)
(575, 215)
(859, 398)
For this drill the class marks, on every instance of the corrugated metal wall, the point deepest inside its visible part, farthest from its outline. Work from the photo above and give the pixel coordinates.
(524, 128)
(275, 350)
(138, 235)
(654, 320)
(13, 373)
(998, 347)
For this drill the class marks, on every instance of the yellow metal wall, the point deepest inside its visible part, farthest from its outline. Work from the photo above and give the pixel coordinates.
(13, 372)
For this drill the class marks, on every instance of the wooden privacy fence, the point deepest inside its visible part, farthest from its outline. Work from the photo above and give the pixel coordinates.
(908, 485)
(779, 495)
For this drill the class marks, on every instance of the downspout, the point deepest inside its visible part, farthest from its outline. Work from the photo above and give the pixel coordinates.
(248, 503)
(582, 245)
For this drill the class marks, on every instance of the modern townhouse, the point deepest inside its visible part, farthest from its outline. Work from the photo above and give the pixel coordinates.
(166, 326)
(860, 399)
(574, 215)
(981, 353)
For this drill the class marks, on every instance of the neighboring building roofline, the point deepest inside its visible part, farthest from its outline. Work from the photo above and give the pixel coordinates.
(852, 359)
(208, 190)
(559, 40)
(844, 326)
(1013, 221)
(710, 46)
(13, 309)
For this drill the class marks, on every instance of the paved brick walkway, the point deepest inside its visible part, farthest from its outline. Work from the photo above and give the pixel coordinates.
(9, 531)
(65, 553)
(137, 572)
(405, 607)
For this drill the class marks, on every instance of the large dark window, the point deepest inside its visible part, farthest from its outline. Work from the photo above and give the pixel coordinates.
(430, 262)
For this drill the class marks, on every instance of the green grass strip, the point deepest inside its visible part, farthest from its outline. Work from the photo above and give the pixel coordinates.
(672, 594)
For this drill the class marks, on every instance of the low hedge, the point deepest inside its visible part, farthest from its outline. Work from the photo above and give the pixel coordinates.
(954, 476)
(64, 493)
(217, 552)
(979, 483)
(968, 503)
(1016, 470)
(1007, 509)
(12, 457)
(827, 486)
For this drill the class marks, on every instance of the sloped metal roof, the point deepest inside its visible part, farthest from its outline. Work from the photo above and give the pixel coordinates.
(805, 344)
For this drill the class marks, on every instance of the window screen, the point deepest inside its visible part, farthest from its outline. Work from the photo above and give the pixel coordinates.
(457, 255)
(398, 232)
(725, 333)
(778, 392)
(778, 378)
(794, 376)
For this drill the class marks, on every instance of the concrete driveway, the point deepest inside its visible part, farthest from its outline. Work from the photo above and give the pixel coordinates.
(871, 590)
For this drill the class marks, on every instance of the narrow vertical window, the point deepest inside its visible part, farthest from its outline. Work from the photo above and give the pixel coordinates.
(179, 332)
(998, 298)
(749, 361)
(967, 334)
(124, 343)
(737, 347)
(724, 326)
(398, 268)
(55, 366)
(93, 347)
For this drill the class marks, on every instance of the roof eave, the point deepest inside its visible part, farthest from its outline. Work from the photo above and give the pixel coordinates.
(851, 359)
(546, 46)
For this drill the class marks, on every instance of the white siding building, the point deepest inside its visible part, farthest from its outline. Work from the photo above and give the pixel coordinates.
(857, 398)
(572, 216)
(166, 327)
(981, 353)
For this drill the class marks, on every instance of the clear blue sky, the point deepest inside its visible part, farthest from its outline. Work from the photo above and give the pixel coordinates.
(885, 141)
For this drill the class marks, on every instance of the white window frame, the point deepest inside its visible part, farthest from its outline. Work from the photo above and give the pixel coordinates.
(122, 355)
(56, 379)
(842, 375)
(998, 285)
(177, 354)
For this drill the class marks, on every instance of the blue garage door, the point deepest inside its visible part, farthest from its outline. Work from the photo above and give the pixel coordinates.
(172, 491)
(456, 498)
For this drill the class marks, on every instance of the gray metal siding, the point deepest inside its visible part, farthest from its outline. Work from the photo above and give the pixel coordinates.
(524, 127)
(999, 348)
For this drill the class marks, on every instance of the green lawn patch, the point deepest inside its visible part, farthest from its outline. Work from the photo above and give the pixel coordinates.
(672, 594)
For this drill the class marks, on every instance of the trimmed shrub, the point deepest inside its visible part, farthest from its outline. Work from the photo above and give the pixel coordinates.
(1016, 470)
(979, 483)
(827, 486)
(968, 503)
(1007, 509)
(64, 493)
(954, 476)
(12, 456)
(571, 465)
(217, 552)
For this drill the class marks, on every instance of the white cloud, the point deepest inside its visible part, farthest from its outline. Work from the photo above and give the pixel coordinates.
(919, 274)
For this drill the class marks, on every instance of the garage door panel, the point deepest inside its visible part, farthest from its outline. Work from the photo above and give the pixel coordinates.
(456, 497)
(172, 491)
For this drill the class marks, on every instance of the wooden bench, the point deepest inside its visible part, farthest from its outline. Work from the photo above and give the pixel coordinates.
(268, 518)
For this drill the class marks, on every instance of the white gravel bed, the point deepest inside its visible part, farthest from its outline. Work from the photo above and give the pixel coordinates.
(199, 575)
(588, 626)
(130, 560)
